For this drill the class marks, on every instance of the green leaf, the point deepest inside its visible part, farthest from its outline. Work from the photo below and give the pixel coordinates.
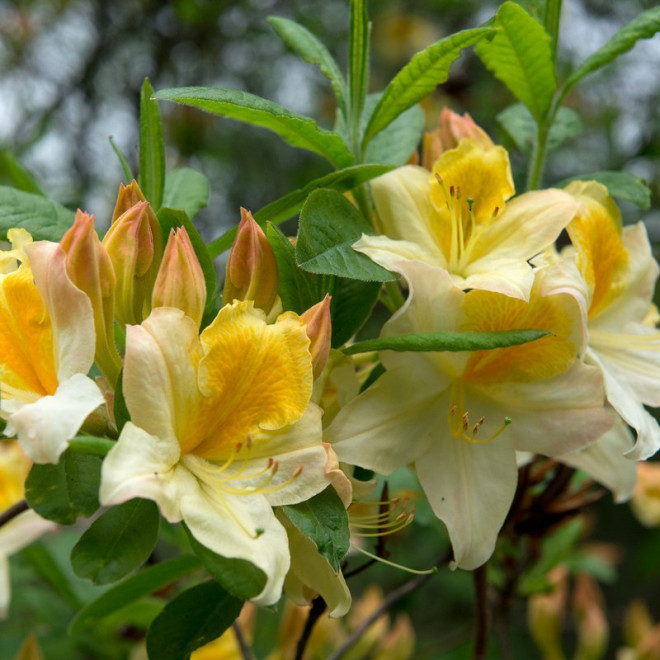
(125, 167)
(643, 26)
(17, 174)
(329, 225)
(194, 618)
(238, 576)
(45, 220)
(67, 490)
(171, 219)
(297, 130)
(310, 49)
(118, 542)
(187, 190)
(324, 520)
(519, 124)
(396, 144)
(298, 289)
(152, 148)
(520, 56)
(351, 305)
(621, 185)
(120, 409)
(447, 341)
(286, 207)
(132, 589)
(358, 63)
(87, 444)
(425, 71)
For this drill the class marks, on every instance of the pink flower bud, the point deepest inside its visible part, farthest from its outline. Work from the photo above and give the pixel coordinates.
(319, 331)
(592, 626)
(251, 267)
(135, 245)
(89, 267)
(545, 615)
(452, 128)
(127, 197)
(180, 280)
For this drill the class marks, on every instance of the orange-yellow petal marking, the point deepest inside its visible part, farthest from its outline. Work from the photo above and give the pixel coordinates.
(27, 361)
(252, 375)
(596, 234)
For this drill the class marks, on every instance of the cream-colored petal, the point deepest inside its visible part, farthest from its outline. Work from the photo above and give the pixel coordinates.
(160, 376)
(311, 573)
(143, 465)
(604, 461)
(387, 251)
(388, 425)
(239, 527)
(404, 208)
(69, 308)
(45, 426)
(470, 488)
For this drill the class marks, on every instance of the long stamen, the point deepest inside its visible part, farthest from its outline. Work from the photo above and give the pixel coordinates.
(429, 571)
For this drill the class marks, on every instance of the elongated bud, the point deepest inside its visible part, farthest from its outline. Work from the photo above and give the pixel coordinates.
(89, 267)
(452, 128)
(127, 198)
(180, 280)
(135, 245)
(319, 331)
(592, 627)
(251, 267)
(545, 616)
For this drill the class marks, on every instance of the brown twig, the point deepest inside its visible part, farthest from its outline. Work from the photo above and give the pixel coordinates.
(481, 613)
(246, 653)
(13, 511)
(315, 612)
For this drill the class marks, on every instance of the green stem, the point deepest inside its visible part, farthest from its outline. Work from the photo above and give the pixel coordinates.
(537, 162)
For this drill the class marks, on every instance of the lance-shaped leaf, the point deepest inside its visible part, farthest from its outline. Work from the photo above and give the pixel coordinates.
(447, 341)
(87, 444)
(643, 26)
(19, 176)
(520, 56)
(324, 520)
(621, 185)
(152, 148)
(298, 130)
(125, 167)
(194, 618)
(187, 190)
(118, 542)
(238, 576)
(305, 44)
(358, 62)
(425, 71)
(43, 219)
(132, 589)
(286, 207)
(329, 225)
(67, 490)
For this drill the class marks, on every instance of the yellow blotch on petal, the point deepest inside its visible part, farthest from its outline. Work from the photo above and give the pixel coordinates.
(14, 468)
(27, 361)
(596, 235)
(252, 375)
(537, 360)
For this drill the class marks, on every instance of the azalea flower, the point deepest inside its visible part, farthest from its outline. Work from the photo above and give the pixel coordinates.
(221, 430)
(460, 417)
(22, 529)
(459, 218)
(619, 274)
(46, 348)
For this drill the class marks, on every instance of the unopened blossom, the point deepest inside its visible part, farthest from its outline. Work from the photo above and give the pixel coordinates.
(222, 429)
(22, 529)
(180, 281)
(135, 245)
(452, 128)
(591, 621)
(645, 502)
(89, 267)
(251, 272)
(460, 417)
(620, 273)
(319, 330)
(46, 348)
(546, 613)
(461, 218)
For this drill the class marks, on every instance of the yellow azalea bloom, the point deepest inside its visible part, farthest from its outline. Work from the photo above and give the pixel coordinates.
(459, 218)
(24, 528)
(46, 348)
(221, 430)
(618, 275)
(460, 417)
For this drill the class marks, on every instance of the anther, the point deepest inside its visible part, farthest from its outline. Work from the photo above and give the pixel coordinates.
(297, 472)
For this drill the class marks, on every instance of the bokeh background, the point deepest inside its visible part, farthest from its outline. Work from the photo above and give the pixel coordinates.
(70, 74)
